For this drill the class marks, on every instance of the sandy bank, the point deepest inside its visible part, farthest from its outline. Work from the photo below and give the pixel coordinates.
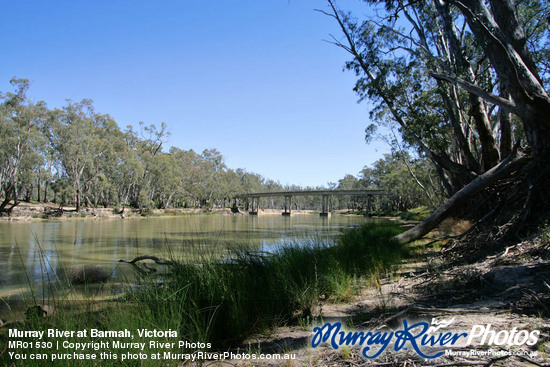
(50, 211)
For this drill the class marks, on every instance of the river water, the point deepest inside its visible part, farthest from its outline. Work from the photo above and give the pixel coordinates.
(33, 254)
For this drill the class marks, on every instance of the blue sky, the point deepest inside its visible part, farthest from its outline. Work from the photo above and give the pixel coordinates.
(253, 79)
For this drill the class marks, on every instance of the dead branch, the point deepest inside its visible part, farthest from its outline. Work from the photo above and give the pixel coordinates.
(157, 260)
(523, 358)
(426, 310)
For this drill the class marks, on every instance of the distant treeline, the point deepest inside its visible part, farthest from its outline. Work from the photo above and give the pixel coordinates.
(74, 156)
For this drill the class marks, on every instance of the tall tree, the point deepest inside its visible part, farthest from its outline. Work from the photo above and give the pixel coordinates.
(450, 73)
(20, 121)
(74, 133)
(145, 147)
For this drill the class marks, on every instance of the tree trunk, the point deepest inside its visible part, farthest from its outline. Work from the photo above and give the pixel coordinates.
(498, 172)
(5, 203)
(489, 151)
(458, 174)
(28, 194)
(77, 199)
(506, 138)
(38, 188)
(46, 185)
(167, 202)
(503, 41)
(89, 203)
(459, 137)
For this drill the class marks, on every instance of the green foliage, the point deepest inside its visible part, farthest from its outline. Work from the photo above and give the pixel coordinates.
(76, 156)
(407, 183)
(22, 143)
(406, 57)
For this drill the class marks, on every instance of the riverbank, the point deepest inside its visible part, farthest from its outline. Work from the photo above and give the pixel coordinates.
(463, 287)
(48, 211)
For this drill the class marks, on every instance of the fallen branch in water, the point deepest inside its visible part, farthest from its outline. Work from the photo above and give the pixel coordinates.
(157, 260)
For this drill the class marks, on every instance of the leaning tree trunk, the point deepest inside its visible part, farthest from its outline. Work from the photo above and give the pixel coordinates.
(451, 206)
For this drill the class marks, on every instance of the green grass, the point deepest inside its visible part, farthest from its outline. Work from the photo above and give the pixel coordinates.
(224, 301)
(420, 213)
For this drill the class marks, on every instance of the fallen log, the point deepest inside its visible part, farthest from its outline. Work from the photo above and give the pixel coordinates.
(508, 166)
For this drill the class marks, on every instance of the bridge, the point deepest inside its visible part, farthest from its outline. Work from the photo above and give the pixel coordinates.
(325, 194)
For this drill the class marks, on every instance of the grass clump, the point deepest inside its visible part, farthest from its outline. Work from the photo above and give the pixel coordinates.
(252, 292)
(418, 214)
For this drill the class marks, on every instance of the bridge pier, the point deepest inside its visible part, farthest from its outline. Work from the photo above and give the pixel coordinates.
(288, 204)
(234, 208)
(254, 209)
(324, 206)
(367, 211)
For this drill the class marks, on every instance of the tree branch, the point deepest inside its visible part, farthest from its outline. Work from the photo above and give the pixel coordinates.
(157, 260)
(474, 89)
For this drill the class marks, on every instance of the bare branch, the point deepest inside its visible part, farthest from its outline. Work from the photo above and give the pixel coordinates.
(157, 260)
(474, 89)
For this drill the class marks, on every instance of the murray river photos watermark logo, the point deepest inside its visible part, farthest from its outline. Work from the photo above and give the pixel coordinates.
(419, 337)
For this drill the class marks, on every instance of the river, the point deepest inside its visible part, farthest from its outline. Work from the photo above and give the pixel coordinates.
(33, 254)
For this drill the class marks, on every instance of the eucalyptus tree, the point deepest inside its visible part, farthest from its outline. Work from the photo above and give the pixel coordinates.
(403, 190)
(100, 177)
(392, 57)
(231, 185)
(212, 169)
(348, 182)
(249, 182)
(273, 202)
(142, 147)
(186, 173)
(20, 123)
(128, 170)
(73, 132)
(165, 182)
(459, 78)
